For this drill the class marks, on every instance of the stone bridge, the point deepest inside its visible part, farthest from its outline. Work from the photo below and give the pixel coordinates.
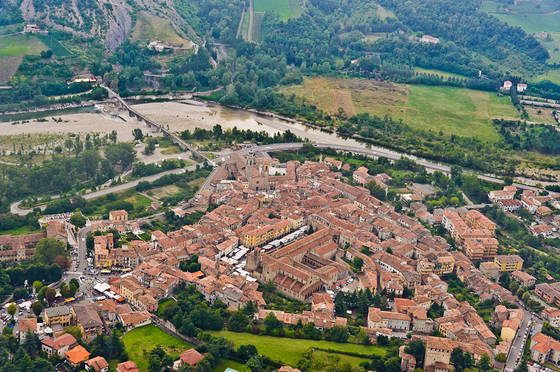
(159, 128)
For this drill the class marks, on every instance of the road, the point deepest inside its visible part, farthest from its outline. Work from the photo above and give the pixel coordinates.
(529, 323)
(15, 207)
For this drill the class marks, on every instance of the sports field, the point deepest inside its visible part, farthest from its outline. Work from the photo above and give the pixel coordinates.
(284, 8)
(144, 339)
(463, 112)
(289, 351)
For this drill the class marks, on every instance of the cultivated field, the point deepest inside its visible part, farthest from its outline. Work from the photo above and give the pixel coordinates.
(144, 339)
(149, 28)
(12, 50)
(284, 8)
(463, 112)
(445, 74)
(289, 351)
(540, 115)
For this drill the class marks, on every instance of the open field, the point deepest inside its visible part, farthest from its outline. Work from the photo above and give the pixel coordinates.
(227, 363)
(144, 339)
(445, 74)
(12, 50)
(463, 112)
(384, 13)
(150, 27)
(553, 47)
(553, 75)
(284, 8)
(374, 36)
(20, 231)
(16, 142)
(164, 191)
(257, 26)
(288, 350)
(540, 115)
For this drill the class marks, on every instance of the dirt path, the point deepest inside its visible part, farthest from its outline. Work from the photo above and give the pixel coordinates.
(240, 24)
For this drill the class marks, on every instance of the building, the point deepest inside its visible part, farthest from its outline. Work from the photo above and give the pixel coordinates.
(25, 325)
(427, 39)
(490, 270)
(119, 215)
(59, 345)
(544, 349)
(552, 316)
(438, 352)
(507, 85)
(33, 29)
(62, 315)
(190, 358)
(526, 280)
(77, 355)
(521, 88)
(128, 366)
(387, 319)
(87, 318)
(97, 364)
(510, 263)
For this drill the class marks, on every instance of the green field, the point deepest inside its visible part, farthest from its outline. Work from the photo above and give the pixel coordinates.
(463, 112)
(144, 339)
(20, 231)
(284, 8)
(103, 204)
(12, 50)
(289, 351)
(163, 304)
(444, 74)
(553, 75)
(149, 28)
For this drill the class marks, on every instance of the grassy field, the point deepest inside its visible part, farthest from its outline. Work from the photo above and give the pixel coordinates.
(553, 75)
(103, 204)
(457, 111)
(226, 363)
(163, 304)
(163, 191)
(553, 46)
(20, 231)
(445, 74)
(12, 50)
(284, 8)
(149, 28)
(289, 350)
(257, 26)
(540, 115)
(144, 339)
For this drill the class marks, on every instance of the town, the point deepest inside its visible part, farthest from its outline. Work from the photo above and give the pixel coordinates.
(308, 233)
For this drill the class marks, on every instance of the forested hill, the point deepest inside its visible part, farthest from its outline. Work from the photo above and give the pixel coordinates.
(461, 22)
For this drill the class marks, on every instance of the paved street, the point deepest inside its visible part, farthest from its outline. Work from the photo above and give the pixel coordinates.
(529, 323)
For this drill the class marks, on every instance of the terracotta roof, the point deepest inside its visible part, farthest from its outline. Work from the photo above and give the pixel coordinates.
(97, 363)
(191, 357)
(77, 355)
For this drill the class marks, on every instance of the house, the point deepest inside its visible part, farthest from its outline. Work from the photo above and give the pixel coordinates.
(119, 215)
(77, 356)
(521, 88)
(33, 29)
(97, 364)
(427, 39)
(59, 345)
(490, 270)
(88, 320)
(127, 366)
(387, 319)
(511, 262)
(135, 319)
(190, 358)
(526, 280)
(507, 85)
(25, 325)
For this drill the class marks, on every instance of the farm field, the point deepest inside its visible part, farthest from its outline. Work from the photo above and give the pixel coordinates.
(553, 75)
(12, 50)
(463, 112)
(149, 28)
(540, 115)
(143, 339)
(288, 350)
(284, 8)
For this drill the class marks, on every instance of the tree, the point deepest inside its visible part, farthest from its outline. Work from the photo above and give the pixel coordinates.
(75, 281)
(74, 331)
(484, 363)
(238, 321)
(78, 220)
(12, 308)
(418, 350)
(47, 249)
(150, 146)
(337, 334)
(137, 134)
(37, 307)
(246, 351)
(249, 309)
(255, 363)
(272, 323)
(457, 359)
(358, 263)
(501, 357)
(122, 154)
(50, 294)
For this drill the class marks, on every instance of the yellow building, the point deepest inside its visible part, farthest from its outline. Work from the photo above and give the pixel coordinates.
(63, 315)
(508, 263)
(260, 236)
(509, 329)
(120, 215)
